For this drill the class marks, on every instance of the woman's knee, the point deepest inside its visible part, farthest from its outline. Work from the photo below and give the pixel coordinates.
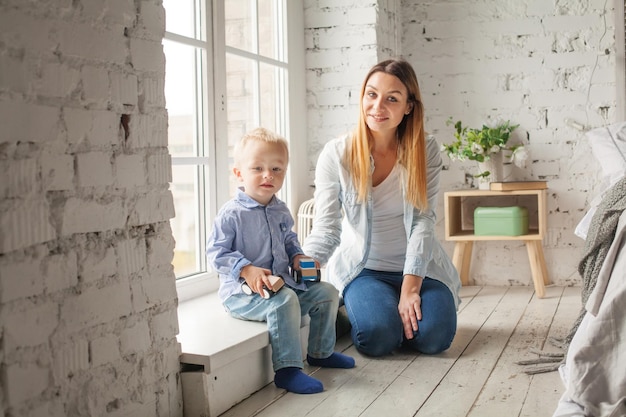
(372, 308)
(438, 328)
(434, 337)
(375, 340)
(435, 344)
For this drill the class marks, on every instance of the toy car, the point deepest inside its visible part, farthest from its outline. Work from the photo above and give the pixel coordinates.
(277, 284)
(307, 271)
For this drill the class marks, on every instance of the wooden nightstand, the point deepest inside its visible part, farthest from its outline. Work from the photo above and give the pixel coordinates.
(459, 223)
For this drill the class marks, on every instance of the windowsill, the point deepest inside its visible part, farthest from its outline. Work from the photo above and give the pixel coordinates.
(225, 359)
(196, 286)
(210, 337)
(207, 333)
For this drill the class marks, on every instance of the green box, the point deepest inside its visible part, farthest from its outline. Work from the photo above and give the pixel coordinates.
(500, 221)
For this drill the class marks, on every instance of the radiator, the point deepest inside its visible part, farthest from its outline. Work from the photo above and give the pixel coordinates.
(306, 212)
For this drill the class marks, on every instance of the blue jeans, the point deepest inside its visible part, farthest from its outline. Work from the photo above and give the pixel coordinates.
(371, 301)
(283, 313)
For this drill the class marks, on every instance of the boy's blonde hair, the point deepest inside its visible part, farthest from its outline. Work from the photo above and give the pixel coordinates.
(259, 134)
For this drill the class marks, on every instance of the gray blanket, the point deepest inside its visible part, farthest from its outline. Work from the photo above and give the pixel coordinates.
(594, 374)
(599, 238)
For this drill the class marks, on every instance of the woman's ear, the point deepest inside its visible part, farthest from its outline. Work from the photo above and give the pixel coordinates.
(410, 109)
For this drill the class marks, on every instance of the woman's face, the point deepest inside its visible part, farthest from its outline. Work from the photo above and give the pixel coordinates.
(385, 102)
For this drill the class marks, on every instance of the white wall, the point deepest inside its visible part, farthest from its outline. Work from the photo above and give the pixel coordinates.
(87, 297)
(535, 62)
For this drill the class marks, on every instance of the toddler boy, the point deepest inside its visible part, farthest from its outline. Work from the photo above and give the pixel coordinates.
(252, 238)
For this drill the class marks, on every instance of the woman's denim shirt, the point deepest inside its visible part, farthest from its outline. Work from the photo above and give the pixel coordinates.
(342, 226)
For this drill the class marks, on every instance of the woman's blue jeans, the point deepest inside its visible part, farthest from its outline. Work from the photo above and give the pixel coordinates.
(283, 313)
(371, 301)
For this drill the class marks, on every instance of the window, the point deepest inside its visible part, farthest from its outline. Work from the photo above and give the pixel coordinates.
(228, 70)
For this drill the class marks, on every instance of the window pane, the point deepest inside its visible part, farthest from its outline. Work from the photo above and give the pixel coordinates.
(272, 89)
(271, 40)
(240, 24)
(180, 97)
(241, 93)
(180, 17)
(243, 32)
(185, 225)
(241, 101)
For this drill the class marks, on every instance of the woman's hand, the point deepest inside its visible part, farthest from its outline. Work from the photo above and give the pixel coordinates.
(256, 278)
(296, 261)
(410, 305)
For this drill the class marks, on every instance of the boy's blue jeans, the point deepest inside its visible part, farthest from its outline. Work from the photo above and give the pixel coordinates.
(283, 313)
(371, 301)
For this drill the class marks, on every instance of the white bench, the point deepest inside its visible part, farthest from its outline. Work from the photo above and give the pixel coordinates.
(223, 360)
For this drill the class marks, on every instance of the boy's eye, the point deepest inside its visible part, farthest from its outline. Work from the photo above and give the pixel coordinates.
(277, 169)
(256, 169)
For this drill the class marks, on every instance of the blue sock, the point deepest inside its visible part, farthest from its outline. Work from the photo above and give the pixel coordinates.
(294, 380)
(335, 360)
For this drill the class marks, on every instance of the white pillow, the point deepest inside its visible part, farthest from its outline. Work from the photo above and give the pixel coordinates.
(608, 145)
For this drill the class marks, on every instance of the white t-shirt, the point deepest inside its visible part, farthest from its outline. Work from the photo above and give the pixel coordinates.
(388, 246)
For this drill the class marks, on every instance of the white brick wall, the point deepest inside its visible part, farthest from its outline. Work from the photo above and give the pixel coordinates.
(87, 291)
(535, 62)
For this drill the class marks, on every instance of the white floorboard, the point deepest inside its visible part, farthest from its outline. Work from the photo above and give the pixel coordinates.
(477, 377)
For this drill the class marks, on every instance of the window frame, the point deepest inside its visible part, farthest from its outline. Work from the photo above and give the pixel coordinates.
(214, 124)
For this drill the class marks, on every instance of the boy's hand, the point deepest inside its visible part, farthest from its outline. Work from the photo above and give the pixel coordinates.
(256, 278)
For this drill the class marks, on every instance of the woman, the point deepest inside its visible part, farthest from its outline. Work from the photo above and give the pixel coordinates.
(375, 198)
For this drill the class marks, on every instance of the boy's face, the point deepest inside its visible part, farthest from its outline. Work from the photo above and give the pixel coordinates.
(262, 168)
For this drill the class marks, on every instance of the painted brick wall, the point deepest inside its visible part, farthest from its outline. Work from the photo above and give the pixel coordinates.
(87, 296)
(535, 62)
(341, 42)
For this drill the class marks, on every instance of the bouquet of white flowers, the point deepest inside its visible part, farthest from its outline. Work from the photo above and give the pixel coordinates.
(518, 156)
(481, 144)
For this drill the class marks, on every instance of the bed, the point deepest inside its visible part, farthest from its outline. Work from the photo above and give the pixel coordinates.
(594, 370)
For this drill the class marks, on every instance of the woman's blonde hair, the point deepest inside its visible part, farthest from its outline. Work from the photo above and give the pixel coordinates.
(411, 138)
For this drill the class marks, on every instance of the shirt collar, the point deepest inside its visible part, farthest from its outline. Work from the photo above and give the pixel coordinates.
(249, 202)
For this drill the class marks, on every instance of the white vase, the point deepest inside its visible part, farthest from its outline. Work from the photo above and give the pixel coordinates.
(507, 165)
(494, 166)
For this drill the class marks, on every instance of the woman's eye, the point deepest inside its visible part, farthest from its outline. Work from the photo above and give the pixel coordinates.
(393, 99)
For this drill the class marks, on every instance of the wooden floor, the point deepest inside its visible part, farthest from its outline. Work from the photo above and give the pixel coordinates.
(478, 376)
